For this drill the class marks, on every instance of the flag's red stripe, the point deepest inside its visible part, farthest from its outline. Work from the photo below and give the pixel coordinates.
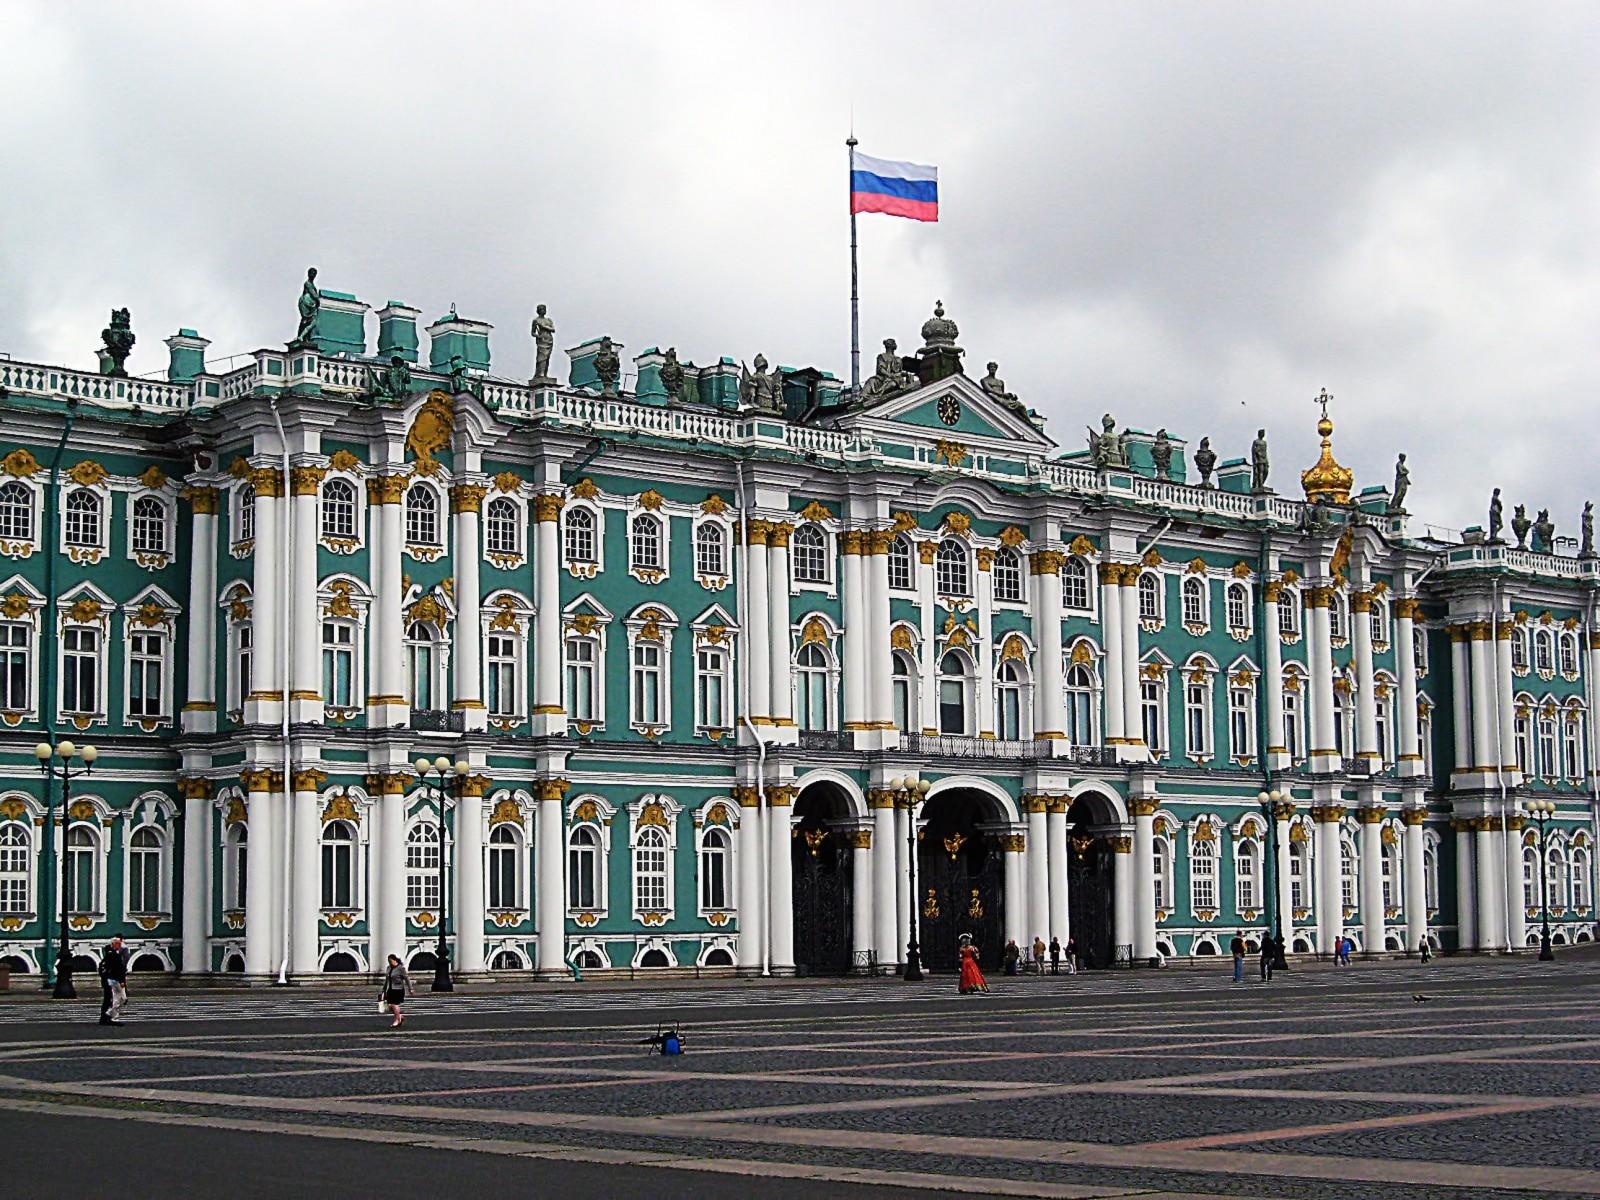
(895, 206)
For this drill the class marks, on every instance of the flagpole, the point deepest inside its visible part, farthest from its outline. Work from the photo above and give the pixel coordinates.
(855, 300)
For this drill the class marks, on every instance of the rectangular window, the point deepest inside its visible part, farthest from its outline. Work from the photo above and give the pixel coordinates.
(80, 670)
(1547, 749)
(1203, 881)
(646, 684)
(1241, 721)
(1150, 716)
(1244, 873)
(711, 710)
(502, 675)
(1197, 705)
(15, 637)
(1297, 880)
(581, 679)
(244, 664)
(146, 652)
(338, 663)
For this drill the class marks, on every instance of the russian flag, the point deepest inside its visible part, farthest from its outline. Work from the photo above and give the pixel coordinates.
(900, 189)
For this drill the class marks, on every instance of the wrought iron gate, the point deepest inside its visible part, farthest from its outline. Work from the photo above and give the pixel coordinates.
(1090, 863)
(960, 889)
(822, 901)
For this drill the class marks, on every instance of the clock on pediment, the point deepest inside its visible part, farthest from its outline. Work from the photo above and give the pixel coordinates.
(949, 409)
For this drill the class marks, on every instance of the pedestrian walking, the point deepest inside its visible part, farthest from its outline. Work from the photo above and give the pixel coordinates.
(1236, 948)
(1426, 951)
(1266, 958)
(113, 982)
(1011, 956)
(1072, 956)
(1055, 956)
(972, 979)
(396, 987)
(1038, 954)
(1346, 944)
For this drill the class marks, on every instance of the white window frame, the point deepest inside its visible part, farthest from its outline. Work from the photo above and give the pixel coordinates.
(235, 843)
(637, 567)
(722, 674)
(439, 668)
(902, 548)
(340, 543)
(1153, 702)
(100, 626)
(1247, 872)
(966, 683)
(518, 851)
(422, 881)
(23, 883)
(133, 654)
(1009, 563)
(907, 681)
(1088, 687)
(703, 852)
(1242, 719)
(506, 614)
(163, 867)
(811, 540)
(713, 581)
(830, 674)
(1236, 594)
(23, 547)
(86, 552)
(666, 623)
(98, 837)
(1294, 716)
(497, 551)
(1021, 684)
(241, 518)
(326, 851)
(1194, 599)
(1152, 601)
(671, 810)
(1203, 883)
(1199, 700)
(417, 546)
(161, 555)
(1289, 607)
(1567, 653)
(1521, 660)
(584, 568)
(1544, 653)
(30, 622)
(600, 830)
(953, 556)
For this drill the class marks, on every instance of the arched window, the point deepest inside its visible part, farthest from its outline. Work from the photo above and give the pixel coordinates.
(1294, 726)
(950, 569)
(813, 687)
(1572, 745)
(1378, 621)
(1547, 746)
(16, 512)
(1558, 878)
(1153, 715)
(650, 870)
(1242, 715)
(1080, 707)
(1544, 655)
(580, 541)
(1530, 877)
(505, 867)
(954, 684)
(338, 662)
(1580, 878)
(1341, 722)
(1198, 740)
(1011, 701)
(583, 870)
(1519, 649)
(1288, 614)
(1348, 890)
(808, 552)
(1430, 877)
(710, 555)
(1338, 622)
(1203, 874)
(1075, 584)
(338, 865)
(1194, 600)
(1150, 597)
(1569, 653)
(1299, 874)
(716, 853)
(1392, 889)
(145, 871)
(646, 543)
(1008, 576)
(422, 653)
(148, 534)
(422, 515)
(1522, 727)
(905, 692)
(16, 857)
(1238, 602)
(1247, 873)
(83, 864)
(235, 867)
(900, 561)
(247, 513)
(1162, 874)
(422, 866)
(82, 518)
(338, 509)
(502, 527)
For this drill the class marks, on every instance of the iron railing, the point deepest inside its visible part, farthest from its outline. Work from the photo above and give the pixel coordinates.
(436, 720)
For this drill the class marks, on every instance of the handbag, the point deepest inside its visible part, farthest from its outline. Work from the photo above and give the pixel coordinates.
(383, 1006)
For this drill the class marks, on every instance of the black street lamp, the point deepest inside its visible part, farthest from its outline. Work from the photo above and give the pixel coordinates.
(56, 761)
(1542, 811)
(443, 768)
(913, 789)
(1272, 804)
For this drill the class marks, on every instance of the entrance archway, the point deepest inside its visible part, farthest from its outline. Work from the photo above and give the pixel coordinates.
(960, 879)
(1091, 863)
(820, 856)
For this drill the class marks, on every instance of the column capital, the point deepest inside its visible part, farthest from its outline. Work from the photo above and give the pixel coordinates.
(194, 787)
(1121, 843)
(1362, 602)
(1371, 814)
(1013, 843)
(256, 779)
(878, 797)
(467, 497)
(1407, 608)
(267, 481)
(877, 541)
(1283, 810)
(547, 507)
(1046, 562)
(1413, 816)
(309, 779)
(927, 550)
(859, 839)
(1058, 805)
(386, 783)
(851, 541)
(386, 489)
(778, 534)
(551, 789)
(1317, 597)
(204, 500)
(985, 558)
(1514, 822)
(1478, 631)
(1327, 814)
(1145, 806)
(1033, 802)
(474, 786)
(306, 481)
(780, 796)
(757, 531)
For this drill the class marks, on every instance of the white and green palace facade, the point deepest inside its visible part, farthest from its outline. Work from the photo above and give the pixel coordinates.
(689, 644)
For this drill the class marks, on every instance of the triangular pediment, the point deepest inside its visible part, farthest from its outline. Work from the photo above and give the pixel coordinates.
(954, 408)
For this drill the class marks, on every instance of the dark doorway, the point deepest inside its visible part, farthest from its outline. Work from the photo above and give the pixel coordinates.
(960, 882)
(1090, 863)
(820, 851)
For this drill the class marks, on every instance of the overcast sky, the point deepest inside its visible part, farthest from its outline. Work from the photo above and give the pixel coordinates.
(1194, 216)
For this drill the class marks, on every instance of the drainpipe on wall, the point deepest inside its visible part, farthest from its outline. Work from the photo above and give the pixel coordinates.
(1500, 753)
(744, 711)
(47, 697)
(285, 632)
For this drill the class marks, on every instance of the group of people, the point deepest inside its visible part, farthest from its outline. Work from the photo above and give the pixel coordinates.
(1271, 952)
(1013, 959)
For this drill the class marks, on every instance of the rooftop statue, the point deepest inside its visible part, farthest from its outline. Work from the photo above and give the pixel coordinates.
(460, 381)
(672, 375)
(1205, 461)
(1544, 533)
(310, 306)
(757, 388)
(544, 340)
(994, 386)
(393, 382)
(1520, 525)
(118, 338)
(1586, 549)
(1108, 448)
(1259, 463)
(1402, 485)
(889, 373)
(1161, 452)
(607, 367)
(1497, 516)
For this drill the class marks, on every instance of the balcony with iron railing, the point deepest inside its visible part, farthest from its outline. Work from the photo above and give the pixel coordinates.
(436, 720)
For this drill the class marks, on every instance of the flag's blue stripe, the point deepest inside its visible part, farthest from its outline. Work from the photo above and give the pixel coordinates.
(925, 190)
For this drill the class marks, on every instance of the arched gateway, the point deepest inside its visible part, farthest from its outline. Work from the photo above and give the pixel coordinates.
(1091, 867)
(820, 853)
(960, 878)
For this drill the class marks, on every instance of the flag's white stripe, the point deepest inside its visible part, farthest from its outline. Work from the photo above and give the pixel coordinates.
(890, 169)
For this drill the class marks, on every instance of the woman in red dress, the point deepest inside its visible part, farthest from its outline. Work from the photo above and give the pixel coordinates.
(971, 977)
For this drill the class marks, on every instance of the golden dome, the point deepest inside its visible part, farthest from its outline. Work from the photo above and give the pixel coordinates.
(1327, 480)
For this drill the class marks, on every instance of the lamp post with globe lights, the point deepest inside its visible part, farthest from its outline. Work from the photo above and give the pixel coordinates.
(913, 789)
(444, 769)
(57, 762)
(1542, 810)
(1270, 802)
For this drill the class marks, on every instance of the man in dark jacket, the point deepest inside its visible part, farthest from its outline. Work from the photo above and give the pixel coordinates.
(1055, 956)
(113, 981)
(1237, 948)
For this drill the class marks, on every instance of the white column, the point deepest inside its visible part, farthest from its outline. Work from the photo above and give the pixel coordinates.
(885, 893)
(856, 667)
(861, 895)
(266, 668)
(1111, 654)
(386, 703)
(928, 693)
(1038, 868)
(1416, 882)
(375, 883)
(469, 903)
(1056, 831)
(1013, 845)
(1132, 726)
(196, 872)
(305, 666)
(1123, 929)
(1460, 697)
(877, 662)
(748, 861)
(390, 917)
(988, 721)
(1371, 876)
(779, 656)
(1049, 712)
(780, 878)
(755, 621)
(1408, 754)
(306, 903)
(200, 710)
(1511, 855)
(548, 714)
(1466, 886)
(1324, 755)
(1366, 701)
(466, 655)
(1491, 917)
(1504, 709)
(1484, 727)
(262, 873)
(902, 875)
(1330, 900)
(1276, 754)
(550, 914)
(1144, 892)
(1282, 812)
